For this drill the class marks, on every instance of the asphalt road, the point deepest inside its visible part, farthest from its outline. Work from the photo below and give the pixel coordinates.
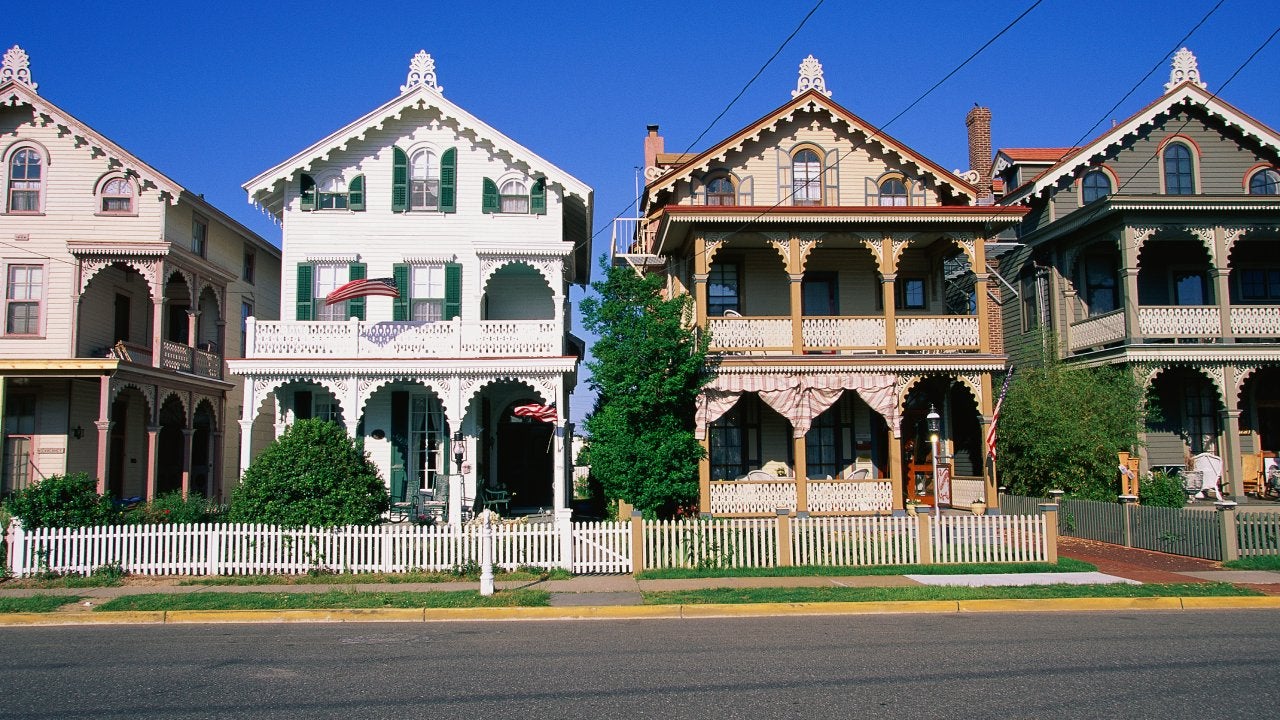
(1035, 665)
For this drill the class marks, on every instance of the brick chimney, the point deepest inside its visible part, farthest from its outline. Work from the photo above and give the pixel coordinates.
(979, 123)
(653, 146)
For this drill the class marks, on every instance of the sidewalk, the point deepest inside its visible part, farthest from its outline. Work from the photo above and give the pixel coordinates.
(1153, 567)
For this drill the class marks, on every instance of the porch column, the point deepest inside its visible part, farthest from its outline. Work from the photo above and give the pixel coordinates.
(562, 464)
(1129, 269)
(188, 435)
(193, 327)
(704, 476)
(212, 482)
(153, 448)
(1232, 477)
(895, 469)
(797, 314)
(701, 271)
(980, 294)
(986, 409)
(802, 474)
(246, 444)
(104, 429)
(1222, 298)
(1070, 308)
(887, 299)
(157, 330)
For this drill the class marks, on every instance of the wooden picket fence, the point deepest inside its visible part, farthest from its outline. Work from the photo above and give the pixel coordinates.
(1258, 533)
(990, 539)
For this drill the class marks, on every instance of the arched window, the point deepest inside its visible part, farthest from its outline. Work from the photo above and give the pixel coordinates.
(893, 192)
(1179, 177)
(1265, 182)
(720, 192)
(424, 181)
(1096, 185)
(333, 193)
(806, 178)
(117, 196)
(514, 197)
(25, 181)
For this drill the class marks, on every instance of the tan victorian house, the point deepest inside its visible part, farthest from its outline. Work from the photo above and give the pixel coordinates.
(124, 295)
(1156, 247)
(842, 281)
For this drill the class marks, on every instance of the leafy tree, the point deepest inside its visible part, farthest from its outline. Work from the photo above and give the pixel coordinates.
(1062, 427)
(647, 369)
(61, 501)
(314, 474)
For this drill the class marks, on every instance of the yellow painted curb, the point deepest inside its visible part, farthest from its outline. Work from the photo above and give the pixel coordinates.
(1224, 603)
(817, 608)
(1071, 604)
(125, 617)
(291, 616)
(572, 612)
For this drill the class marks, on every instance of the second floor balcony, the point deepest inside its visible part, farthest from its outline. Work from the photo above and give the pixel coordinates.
(403, 339)
(844, 334)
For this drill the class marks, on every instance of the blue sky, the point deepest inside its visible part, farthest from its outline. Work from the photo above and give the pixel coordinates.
(214, 93)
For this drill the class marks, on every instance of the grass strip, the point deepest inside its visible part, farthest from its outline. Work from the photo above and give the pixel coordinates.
(35, 603)
(63, 581)
(1063, 565)
(331, 600)
(934, 592)
(412, 576)
(1254, 562)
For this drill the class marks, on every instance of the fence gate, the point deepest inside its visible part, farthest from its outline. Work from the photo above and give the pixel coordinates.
(602, 547)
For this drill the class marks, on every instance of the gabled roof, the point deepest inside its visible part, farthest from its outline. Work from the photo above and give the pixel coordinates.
(266, 190)
(1034, 154)
(815, 102)
(1186, 95)
(16, 94)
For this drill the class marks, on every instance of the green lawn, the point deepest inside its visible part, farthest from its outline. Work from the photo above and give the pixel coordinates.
(412, 576)
(873, 594)
(1254, 562)
(333, 599)
(1063, 565)
(35, 603)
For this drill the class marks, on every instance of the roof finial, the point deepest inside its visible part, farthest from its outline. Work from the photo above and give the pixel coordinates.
(1184, 70)
(422, 71)
(811, 78)
(16, 67)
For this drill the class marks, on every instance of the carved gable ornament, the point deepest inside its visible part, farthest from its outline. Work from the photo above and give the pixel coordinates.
(16, 67)
(422, 71)
(810, 78)
(1185, 69)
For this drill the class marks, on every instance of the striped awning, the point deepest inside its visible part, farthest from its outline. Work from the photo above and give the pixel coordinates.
(799, 397)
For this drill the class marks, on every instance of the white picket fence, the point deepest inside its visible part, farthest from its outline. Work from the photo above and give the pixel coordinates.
(594, 547)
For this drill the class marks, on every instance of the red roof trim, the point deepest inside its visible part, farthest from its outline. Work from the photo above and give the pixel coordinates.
(923, 210)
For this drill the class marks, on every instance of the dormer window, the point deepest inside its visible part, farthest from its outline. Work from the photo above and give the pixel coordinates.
(806, 178)
(1095, 186)
(117, 196)
(720, 192)
(26, 180)
(424, 181)
(1179, 170)
(893, 192)
(1265, 182)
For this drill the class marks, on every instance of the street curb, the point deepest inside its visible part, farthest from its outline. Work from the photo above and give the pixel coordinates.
(634, 612)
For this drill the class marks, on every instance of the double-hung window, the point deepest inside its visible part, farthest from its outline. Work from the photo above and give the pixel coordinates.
(23, 296)
(25, 181)
(1101, 292)
(246, 311)
(806, 178)
(911, 293)
(893, 192)
(514, 198)
(19, 432)
(720, 192)
(424, 181)
(1179, 171)
(427, 294)
(328, 278)
(199, 235)
(723, 289)
(117, 196)
(333, 194)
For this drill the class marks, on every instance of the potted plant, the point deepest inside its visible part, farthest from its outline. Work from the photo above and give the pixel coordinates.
(978, 506)
(912, 505)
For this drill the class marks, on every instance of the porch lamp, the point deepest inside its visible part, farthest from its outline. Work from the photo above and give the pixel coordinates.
(459, 446)
(935, 424)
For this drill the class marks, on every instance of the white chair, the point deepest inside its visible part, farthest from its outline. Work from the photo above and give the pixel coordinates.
(495, 499)
(861, 474)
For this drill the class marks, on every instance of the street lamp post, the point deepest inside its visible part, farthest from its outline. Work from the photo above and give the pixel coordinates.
(459, 448)
(935, 424)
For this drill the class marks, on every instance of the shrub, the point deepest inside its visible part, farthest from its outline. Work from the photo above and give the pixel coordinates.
(172, 508)
(1162, 490)
(61, 501)
(314, 474)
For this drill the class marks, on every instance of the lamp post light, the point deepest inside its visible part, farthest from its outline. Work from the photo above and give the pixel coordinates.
(459, 445)
(935, 424)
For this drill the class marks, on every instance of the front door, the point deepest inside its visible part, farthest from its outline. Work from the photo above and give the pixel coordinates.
(525, 451)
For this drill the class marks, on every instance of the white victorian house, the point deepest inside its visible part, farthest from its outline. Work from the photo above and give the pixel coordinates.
(481, 238)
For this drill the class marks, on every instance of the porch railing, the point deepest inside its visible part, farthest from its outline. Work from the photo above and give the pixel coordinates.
(404, 339)
(184, 358)
(750, 333)
(1098, 330)
(952, 332)
(847, 333)
(1255, 321)
(752, 497)
(1180, 321)
(850, 496)
(937, 333)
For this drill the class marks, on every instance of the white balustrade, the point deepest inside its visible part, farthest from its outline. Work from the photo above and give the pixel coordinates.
(850, 495)
(750, 333)
(175, 356)
(752, 497)
(843, 332)
(1180, 321)
(405, 339)
(1255, 321)
(1098, 330)
(948, 331)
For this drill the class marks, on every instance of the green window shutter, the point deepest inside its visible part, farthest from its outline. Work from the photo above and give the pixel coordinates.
(305, 306)
(489, 202)
(308, 193)
(355, 193)
(452, 291)
(355, 306)
(538, 197)
(400, 306)
(399, 180)
(449, 181)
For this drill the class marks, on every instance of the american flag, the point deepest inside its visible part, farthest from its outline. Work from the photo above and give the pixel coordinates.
(362, 288)
(995, 417)
(545, 413)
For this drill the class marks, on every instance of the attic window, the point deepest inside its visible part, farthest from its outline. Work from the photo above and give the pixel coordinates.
(514, 197)
(806, 178)
(893, 192)
(117, 196)
(720, 191)
(333, 194)
(1095, 186)
(1265, 182)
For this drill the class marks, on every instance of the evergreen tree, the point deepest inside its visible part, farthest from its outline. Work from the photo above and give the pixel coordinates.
(647, 369)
